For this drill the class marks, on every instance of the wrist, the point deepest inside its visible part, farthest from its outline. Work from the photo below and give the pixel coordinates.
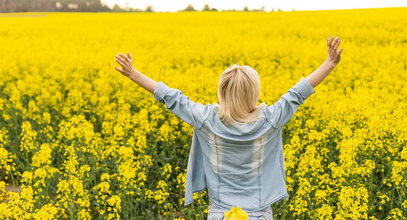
(330, 63)
(134, 75)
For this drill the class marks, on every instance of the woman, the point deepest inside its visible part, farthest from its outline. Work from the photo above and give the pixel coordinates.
(236, 151)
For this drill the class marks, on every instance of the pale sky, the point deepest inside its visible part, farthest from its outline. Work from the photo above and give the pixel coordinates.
(285, 5)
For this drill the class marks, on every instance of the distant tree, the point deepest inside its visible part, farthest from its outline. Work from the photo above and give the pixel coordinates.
(245, 8)
(261, 9)
(136, 10)
(126, 7)
(24, 5)
(149, 8)
(52, 5)
(105, 7)
(189, 8)
(116, 8)
(206, 8)
(214, 9)
(89, 5)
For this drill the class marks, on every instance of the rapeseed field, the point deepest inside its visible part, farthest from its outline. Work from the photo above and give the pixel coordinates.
(78, 140)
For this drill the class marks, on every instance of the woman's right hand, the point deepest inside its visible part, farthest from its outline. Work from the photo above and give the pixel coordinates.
(334, 56)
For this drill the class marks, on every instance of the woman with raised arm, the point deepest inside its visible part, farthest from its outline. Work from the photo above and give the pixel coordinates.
(237, 151)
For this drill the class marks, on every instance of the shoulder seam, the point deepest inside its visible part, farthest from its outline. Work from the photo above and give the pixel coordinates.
(267, 114)
(206, 117)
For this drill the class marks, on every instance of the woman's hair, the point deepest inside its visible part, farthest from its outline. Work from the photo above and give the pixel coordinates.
(238, 94)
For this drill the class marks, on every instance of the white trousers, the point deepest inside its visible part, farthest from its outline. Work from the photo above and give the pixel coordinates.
(217, 213)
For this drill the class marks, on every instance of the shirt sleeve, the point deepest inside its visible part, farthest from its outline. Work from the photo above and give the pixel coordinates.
(192, 113)
(282, 111)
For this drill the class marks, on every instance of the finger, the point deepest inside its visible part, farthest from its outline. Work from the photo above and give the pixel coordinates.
(124, 56)
(337, 44)
(120, 70)
(121, 63)
(128, 54)
(330, 41)
(340, 51)
(121, 59)
(125, 63)
(335, 41)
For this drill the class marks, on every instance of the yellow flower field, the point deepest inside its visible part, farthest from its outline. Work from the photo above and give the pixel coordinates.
(78, 140)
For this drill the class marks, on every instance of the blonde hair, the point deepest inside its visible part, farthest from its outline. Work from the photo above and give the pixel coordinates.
(238, 94)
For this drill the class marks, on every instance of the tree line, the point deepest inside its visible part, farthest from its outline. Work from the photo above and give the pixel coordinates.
(88, 6)
(52, 5)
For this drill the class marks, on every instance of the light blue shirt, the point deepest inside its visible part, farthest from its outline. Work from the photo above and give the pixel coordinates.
(240, 165)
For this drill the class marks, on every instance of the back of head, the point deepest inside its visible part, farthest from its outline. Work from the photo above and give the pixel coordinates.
(238, 94)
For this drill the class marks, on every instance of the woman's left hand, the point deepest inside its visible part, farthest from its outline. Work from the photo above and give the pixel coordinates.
(126, 63)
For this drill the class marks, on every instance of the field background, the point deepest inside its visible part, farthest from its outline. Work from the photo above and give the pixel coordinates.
(78, 140)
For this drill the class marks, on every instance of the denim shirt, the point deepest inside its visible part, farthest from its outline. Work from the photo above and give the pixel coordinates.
(239, 164)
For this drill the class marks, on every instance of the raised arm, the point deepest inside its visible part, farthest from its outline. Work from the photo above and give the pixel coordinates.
(192, 113)
(329, 64)
(283, 110)
(128, 70)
